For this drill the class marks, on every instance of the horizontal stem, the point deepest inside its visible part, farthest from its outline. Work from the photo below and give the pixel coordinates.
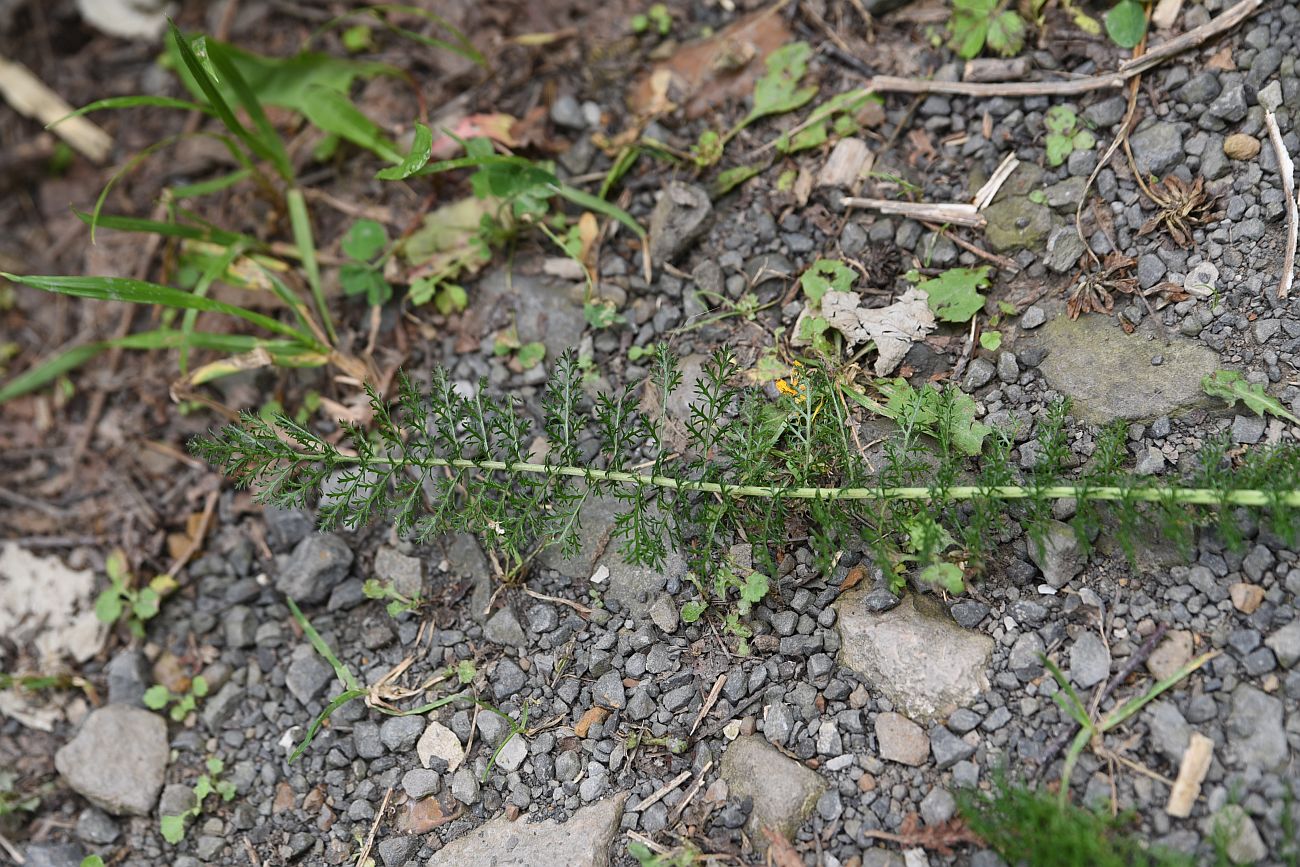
(1150, 494)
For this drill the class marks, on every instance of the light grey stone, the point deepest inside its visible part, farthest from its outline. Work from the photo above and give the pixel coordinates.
(587, 839)
(117, 759)
(915, 654)
(784, 792)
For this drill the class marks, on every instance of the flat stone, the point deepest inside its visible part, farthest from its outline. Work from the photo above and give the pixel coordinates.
(1108, 374)
(1243, 842)
(117, 759)
(307, 675)
(1089, 660)
(679, 217)
(1058, 555)
(545, 309)
(440, 742)
(400, 733)
(784, 792)
(317, 564)
(898, 739)
(1017, 223)
(1157, 148)
(915, 655)
(55, 855)
(1285, 644)
(1256, 736)
(585, 840)
(404, 573)
(608, 690)
(1171, 654)
(504, 628)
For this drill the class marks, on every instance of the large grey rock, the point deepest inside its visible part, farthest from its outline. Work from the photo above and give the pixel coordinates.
(1058, 554)
(583, 841)
(915, 654)
(308, 674)
(1017, 223)
(1169, 730)
(898, 739)
(545, 310)
(1256, 736)
(1285, 643)
(595, 526)
(784, 792)
(679, 217)
(117, 759)
(55, 855)
(1108, 374)
(404, 573)
(319, 562)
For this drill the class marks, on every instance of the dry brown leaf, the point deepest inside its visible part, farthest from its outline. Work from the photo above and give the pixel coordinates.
(893, 328)
(1094, 293)
(1183, 207)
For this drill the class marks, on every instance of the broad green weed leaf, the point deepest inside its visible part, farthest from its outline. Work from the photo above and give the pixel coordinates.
(778, 91)
(108, 606)
(173, 829)
(530, 355)
(365, 240)
(693, 610)
(1126, 23)
(734, 177)
(156, 697)
(991, 340)
(333, 112)
(1006, 34)
(826, 275)
(1232, 387)
(954, 294)
(947, 575)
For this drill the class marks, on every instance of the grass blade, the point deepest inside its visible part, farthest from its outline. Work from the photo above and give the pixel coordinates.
(215, 269)
(46, 372)
(207, 188)
(333, 112)
(140, 292)
(132, 102)
(248, 99)
(460, 44)
(212, 94)
(337, 702)
(1134, 705)
(418, 158)
(600, 206)
(170, 230)
(341, 671)
(306, 242)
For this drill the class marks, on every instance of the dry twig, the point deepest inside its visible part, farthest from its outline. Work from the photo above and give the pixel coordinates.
(29, 96)
(1286, 171)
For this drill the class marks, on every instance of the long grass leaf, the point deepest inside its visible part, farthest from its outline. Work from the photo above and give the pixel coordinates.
(600, 206)
(305, 240)
(126, 169)
(267, 133)
(208, 187)
(132, 102)
(46, 372)
(341, 671)
(140, 292)
(183, 231)
(333, 112)
(215, 269)
(460, 43)
(1134, 705)
(213, 95)
(337, 702)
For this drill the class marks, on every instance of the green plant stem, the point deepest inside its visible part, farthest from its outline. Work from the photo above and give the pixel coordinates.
(1153, 494)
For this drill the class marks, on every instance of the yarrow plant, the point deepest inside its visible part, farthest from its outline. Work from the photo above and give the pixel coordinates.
(754, 470)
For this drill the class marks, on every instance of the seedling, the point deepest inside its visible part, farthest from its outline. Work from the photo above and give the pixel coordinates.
(1092, 731)
(384, 692)
(126, 602)
(656, 19)
(209, 783)
(979, 24)
(1064, 134)
(396, 602)
(364, 244)
(158, 697)
(684, 856)
(526, 355)
(750, 590)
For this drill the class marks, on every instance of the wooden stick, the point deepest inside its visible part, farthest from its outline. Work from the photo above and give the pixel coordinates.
(984, 197)
(1001, 261)
(1286, 171)
(29, 96)
(1191, 773)
(692, 792)
(662, 792)
(708, 702)
(959, 213)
